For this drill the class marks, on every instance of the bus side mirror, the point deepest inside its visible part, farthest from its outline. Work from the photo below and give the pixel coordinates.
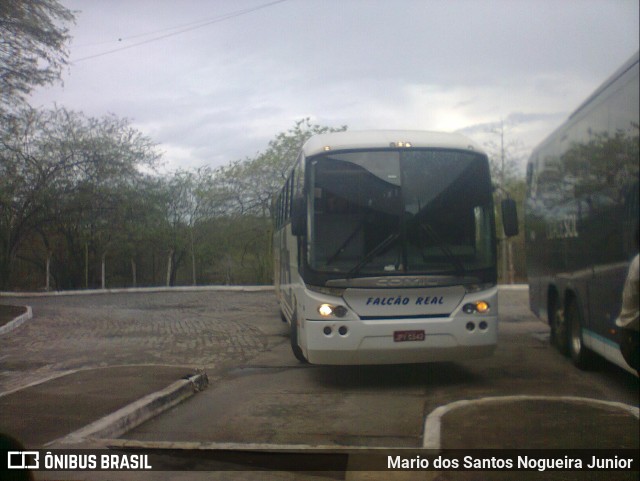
(299, 216)
(509, 217)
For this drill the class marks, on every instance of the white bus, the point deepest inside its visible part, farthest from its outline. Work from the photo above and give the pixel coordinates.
(385, 249)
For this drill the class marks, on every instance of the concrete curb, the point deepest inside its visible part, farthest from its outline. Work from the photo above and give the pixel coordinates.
(136, 413)
(11, 325)
(238, 446)
(432, 427)
(50, 377)
(128, 290)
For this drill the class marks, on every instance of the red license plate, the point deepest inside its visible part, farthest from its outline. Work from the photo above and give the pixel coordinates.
(405, 336)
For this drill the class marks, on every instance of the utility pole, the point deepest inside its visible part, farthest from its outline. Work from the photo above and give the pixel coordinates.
(506, 251)
(505, 239)
(86, 265)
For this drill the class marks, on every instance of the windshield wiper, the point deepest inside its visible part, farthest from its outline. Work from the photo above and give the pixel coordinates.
(372, 253)
(345, 243)
(451, 257)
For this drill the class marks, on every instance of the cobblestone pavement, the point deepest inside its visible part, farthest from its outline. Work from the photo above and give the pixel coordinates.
(209, 329)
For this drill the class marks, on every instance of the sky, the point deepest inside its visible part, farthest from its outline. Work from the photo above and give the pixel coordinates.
(213, 81)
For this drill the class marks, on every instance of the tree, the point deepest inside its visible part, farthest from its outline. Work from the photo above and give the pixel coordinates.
(63, 178)
(181, 211)
(76, 208)
(33, 38)
(506, 152)
(141, 230)
(247, 188)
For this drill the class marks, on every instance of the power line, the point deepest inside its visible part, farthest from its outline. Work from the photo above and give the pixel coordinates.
(185, 28)
(197, 23)
(145, 34)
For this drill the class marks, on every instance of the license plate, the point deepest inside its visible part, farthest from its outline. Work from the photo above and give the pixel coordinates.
(405, 336)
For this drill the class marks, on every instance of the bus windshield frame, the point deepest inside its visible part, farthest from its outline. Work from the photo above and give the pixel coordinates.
(399, 212)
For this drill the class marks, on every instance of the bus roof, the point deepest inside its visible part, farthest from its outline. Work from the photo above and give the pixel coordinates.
(556, 133)
(381, 139)
(628, 65)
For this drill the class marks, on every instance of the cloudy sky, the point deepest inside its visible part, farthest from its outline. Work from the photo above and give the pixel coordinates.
(214, 80)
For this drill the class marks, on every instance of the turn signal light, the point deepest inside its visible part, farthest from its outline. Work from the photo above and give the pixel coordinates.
(480, 307)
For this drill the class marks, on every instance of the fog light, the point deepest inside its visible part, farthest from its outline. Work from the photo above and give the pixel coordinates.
(327, 331)
(343, 330)
(483, 326)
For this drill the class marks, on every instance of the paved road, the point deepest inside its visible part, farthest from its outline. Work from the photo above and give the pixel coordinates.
(270, 399)
(212, 330)
(259, 393)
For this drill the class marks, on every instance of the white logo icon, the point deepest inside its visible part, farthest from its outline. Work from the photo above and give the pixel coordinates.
(23, 460)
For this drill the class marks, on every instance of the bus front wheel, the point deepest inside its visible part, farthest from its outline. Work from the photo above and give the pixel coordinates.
(558, 325)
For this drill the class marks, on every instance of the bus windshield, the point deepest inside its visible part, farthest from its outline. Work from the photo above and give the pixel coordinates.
(387, 212)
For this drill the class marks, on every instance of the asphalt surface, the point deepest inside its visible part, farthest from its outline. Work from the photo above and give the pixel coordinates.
(54, 400)
(50, 410)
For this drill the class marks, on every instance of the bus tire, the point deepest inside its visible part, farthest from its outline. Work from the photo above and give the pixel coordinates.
(581, 356)
(297, 352)
(559, 331)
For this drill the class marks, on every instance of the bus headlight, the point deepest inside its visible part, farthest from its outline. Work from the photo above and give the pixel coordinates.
(327, 310)
(480, 307)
